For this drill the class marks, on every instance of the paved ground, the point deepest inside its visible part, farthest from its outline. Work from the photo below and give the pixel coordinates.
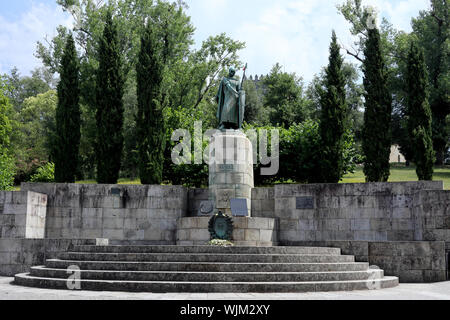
(436, 291)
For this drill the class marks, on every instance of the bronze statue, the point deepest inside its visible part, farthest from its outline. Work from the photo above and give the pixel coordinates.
(231, 100)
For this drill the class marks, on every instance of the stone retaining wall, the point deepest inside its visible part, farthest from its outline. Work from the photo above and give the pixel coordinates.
(22, 215)
(115, 212)
(412, 262)
(19, 255)
(367, 212)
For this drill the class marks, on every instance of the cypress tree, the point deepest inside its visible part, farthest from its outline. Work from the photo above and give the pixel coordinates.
(67, 136)
(376, 133)
(109, 92)
(419, 114)
(150, 120)
(333, 118)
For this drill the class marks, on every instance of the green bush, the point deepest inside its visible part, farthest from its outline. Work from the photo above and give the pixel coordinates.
(7, 171)
(46, 173)
(300, 152)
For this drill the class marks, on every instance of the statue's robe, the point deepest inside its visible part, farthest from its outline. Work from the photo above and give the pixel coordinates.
(231, 104)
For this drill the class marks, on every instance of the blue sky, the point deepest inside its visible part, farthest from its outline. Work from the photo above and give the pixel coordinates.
(295, 33)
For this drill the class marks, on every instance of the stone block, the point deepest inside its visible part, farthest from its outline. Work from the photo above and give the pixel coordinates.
(360, 224)
(199, 235)
(266, 235)
(258, 223)
(238, 235)
(380, 224)
(252, 235)
(113, 234)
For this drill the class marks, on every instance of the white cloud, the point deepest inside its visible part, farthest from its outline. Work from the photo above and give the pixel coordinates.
(18, 38)
(297, 33)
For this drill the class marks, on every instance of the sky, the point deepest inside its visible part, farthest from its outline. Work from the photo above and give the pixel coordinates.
(294, 33)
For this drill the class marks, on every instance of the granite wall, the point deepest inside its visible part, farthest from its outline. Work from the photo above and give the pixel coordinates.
(365, 212)
(22, 215)
(411, 261)
(19, 255)
(115, 212)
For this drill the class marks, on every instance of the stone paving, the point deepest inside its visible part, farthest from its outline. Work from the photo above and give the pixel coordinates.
(435, 291)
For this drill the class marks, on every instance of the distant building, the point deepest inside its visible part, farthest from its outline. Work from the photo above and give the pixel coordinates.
(396, 156)
(258, 81)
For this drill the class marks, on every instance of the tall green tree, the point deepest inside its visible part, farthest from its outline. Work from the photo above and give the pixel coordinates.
(419, 113)
(109, 93)
(333, 118)
(432, 29)
(150, 118)
(6, 162)
(67, 138)
(376, 134)
(284, 98)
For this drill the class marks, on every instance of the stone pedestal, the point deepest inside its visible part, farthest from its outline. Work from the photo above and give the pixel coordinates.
(248, 232)
(230, 170)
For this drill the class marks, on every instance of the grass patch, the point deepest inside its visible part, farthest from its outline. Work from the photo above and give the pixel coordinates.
(121, 181)
(401, 174)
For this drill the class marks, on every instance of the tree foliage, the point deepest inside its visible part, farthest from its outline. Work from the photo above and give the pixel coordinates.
(333, 119)
(109, 93)
(190, 76)
(67, 136)
(284, 97)
(150, 119)
(432, 29)
(376, 143)
(419, 114)
(7, 169)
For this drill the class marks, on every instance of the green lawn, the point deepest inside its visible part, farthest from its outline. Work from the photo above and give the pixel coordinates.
(398, 174)
(402, 173)
(121, 181)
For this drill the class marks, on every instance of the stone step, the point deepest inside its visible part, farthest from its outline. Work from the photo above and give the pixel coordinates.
(200, 287)
(43, 272)
(207, 249)
(206, 257)
(207, 266)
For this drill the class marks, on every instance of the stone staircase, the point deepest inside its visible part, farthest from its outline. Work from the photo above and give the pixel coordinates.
(207, 269)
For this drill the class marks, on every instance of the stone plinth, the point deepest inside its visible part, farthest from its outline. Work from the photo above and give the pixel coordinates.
(230, 170)
(259, 232)
(22, 215)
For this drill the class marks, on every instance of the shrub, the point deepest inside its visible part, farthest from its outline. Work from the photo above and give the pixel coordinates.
(7, 171)
(46, 173)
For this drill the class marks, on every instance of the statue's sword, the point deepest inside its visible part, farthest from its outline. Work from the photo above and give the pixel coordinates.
(243, 77)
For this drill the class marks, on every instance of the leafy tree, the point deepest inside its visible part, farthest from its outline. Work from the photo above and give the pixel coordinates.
(20, 88)
(109, 93)
(376, 135)
(419, 114)
(432, 29)
(333, 119)
(150, 119)
(284, 98)
(45, 174)
(190, 77)
(35, 132)
(67, 138)
(5, 125)
(6, 162)
(299, 152)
